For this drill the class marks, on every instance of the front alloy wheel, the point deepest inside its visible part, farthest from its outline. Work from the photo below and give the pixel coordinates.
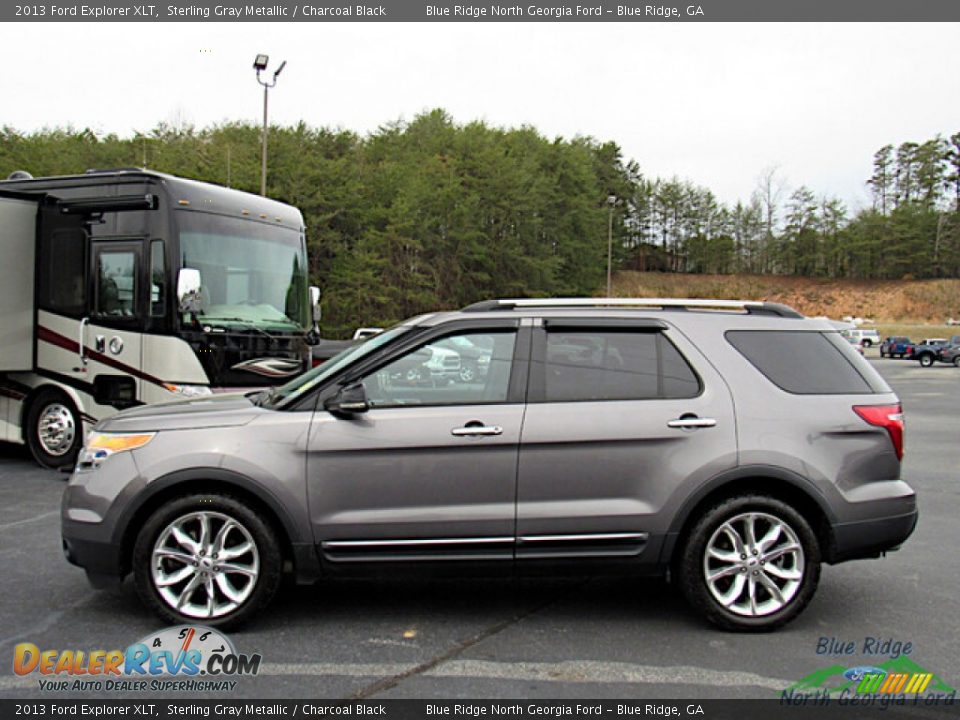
(205, 565)
(751, 563)
(926, 360)
(207, 557)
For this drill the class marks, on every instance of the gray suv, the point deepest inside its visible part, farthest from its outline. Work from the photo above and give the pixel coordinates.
(733, 446)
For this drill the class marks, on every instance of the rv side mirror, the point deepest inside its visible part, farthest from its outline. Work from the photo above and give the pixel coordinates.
(350, 400)
(188, 290)
(315, 304)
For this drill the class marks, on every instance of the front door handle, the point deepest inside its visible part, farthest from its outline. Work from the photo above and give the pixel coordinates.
(471, 429)
(691, 422)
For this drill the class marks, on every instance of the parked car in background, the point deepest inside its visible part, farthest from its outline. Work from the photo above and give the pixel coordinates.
(950, 354)
(857, 345)
(929, 350)
(896, 347)
(474, 355)
(867, 338)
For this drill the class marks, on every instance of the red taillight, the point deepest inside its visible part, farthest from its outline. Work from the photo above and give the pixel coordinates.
(910, 350)
(889, 417)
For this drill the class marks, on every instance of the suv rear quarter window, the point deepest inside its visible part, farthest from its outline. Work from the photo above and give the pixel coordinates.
(806, 363)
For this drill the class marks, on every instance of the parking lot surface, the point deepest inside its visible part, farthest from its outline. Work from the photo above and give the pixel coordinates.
(502, 638)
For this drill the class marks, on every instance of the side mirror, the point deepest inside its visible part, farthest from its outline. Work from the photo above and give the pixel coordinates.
(188, 290)
(350, 400)
(315, 303)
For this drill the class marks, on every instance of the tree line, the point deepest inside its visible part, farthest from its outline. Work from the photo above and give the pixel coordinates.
(431, 214)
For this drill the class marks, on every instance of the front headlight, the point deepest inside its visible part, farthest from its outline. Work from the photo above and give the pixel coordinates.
(100, 446)
(189, 391)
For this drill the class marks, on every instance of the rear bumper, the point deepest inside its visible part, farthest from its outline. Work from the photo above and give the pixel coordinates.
(871, 538)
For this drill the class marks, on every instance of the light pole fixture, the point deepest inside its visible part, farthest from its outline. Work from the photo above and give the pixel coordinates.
(260, 63)
(611, 203)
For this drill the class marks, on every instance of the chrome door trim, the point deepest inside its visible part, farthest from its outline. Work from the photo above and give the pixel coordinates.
(333, 544)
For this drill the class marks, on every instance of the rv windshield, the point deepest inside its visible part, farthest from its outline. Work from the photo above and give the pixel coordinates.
(252, 274)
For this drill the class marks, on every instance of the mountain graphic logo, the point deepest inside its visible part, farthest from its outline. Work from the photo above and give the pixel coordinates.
(895, 676)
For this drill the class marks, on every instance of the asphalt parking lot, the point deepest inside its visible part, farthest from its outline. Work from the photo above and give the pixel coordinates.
(573, 637)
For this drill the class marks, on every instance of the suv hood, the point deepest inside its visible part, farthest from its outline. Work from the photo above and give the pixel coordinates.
(228, 410)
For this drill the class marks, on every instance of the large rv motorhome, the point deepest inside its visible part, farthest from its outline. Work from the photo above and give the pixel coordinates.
(129, 286)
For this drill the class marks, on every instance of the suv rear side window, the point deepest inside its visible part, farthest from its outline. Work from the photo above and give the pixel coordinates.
(803, 363)
(585, 365)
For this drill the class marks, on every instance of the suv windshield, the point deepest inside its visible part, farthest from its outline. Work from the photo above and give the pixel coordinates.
(252, 274)
(302, 384)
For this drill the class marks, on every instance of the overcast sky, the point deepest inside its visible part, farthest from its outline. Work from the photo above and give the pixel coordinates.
(713, 103)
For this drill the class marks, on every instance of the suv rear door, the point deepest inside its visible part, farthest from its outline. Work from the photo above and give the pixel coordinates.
(621, 414)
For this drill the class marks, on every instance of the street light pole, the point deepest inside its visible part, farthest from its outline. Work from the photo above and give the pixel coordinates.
(260, 64)
(611, 202)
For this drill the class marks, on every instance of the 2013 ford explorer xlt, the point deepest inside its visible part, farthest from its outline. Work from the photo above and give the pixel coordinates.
(736, 445)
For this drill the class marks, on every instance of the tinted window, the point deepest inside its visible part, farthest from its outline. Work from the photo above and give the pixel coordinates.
(465, 369)
(585, 365)
(805, 363)
(62, 273)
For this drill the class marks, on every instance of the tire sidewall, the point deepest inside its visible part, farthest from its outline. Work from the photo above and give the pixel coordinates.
(264, 537)
(690, 566)
(43, 400)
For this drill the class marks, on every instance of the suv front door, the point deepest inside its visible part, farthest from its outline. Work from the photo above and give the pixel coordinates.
(618, 421)
(429, 471)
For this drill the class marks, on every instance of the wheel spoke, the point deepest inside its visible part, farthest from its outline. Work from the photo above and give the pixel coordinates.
(726, 556)
(227, 588)
(175, 577)
(784, 573)
(204, 531)
(236, 551)
(177, 555)
(221, 538)
(749, 524)
(780, 551)
(733, 593)
(211, 605)
(188, 591)
(232, 568)
(734, 537)
(768, 540)
(185, 540)
(771, 587)
(724, 572)
(752, 593)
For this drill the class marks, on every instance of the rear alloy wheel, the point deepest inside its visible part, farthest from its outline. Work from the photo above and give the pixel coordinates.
(206, 558)
(956, 361)
(926, 360)
(751, 563)
(54, 429)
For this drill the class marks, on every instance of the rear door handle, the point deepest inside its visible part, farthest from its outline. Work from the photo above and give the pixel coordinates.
(469, 430)
(688, 423)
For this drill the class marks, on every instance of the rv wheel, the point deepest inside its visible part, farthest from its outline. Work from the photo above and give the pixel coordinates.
(53, 429)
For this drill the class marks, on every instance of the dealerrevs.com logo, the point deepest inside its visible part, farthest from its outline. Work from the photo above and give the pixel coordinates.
(182, 658)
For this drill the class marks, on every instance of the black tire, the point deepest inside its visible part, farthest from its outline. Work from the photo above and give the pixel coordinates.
(690, 565)
(42, 406)
(264, 538)
(926, 360)
(867, 343)
(956, 361)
